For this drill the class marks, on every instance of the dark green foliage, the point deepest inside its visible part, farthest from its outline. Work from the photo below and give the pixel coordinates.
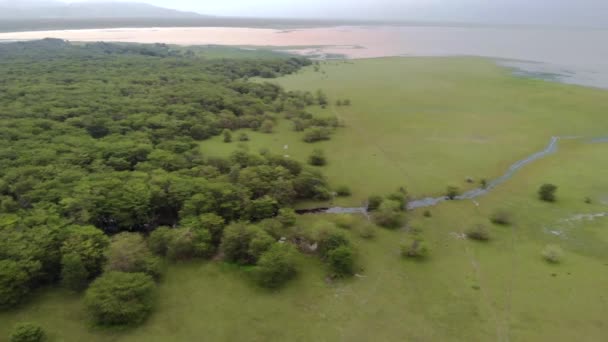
(415, 248)
(74, 275)
(244, 244)
(427, 213)
(452, 192)
(501, 217)
(118, 298)
(128, 252)
(374, 202)
(88, 243)
(547, 192)
(287, 217)
(317, 158)
(400, 197)
(262, 208)
(321, 98)
(483, 183)
(366, 230)
(159, 240)
(343, 191)
(276, 266)
(588, 200)
(341, 260)
(188, 243)
(315, 134)
(14, 283)
(329, 238)
(478, 232)
(389, 214)
(27, 332)
(108, 141)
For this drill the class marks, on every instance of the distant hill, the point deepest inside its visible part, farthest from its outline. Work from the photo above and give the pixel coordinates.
(47, 9)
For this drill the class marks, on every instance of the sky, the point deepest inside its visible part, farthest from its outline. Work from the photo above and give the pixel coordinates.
(572, 12)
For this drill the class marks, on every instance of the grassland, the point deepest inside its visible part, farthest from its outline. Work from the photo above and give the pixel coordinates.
(421, 123)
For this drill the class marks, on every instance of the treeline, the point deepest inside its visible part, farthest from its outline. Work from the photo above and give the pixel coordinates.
(99, 141)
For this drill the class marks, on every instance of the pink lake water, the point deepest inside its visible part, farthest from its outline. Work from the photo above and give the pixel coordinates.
(578, 56)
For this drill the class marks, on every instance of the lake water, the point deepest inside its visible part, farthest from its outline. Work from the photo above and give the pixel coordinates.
(578, 56)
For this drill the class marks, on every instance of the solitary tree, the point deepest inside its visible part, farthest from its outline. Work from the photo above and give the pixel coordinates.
(227, 136)
(276, 266)
(317, 158)
(118, 298)
(547, 192)
(452, 192)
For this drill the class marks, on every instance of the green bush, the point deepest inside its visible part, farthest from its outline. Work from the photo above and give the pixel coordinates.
(343, 191)
(243, 137)
(501, 217)
(427, 213)
(553, 254)
(341, 260)
(188, 243)
(276, 266)
(129, 252)
(227, 136)
(317, 158)
(389, 215)
(159, 240)
(452, 192)
(74, 275)
(416, 248)
(547, 192)
(374, 202)
(315, 134)
(287, 217)
(14, 283)
(366, 230)
(328, 238)
(118, 298)
(27, 332)
(244, 244)
(478, 232)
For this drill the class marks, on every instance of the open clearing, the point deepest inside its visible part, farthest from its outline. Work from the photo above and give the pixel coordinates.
(422, 123)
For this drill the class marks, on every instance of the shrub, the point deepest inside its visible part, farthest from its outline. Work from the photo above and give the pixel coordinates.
(553, 254)
(244, 244)
(118, 298)
(287, 217)
(276, 266)
(400, 197)
(374, 202)
(262, 208)
(267, 126)
(427, 213)
(588, 200)
(227, 135)
(315, 134)
(501, 217)
(243, 137)
(341, 260)
(317, 158)
(478, 232)
(346, 102)
(129, 252)
(329, 238)
(159, 240)
(484, 183)
(14, 281)
(343, 191)
(416, 248)
(452, 192)
(547, 192)
(27, 332)
(187, 243)
(366, 230)
(389, 215)
(74, 275)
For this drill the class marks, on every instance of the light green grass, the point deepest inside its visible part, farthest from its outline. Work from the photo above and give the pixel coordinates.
(450, 118)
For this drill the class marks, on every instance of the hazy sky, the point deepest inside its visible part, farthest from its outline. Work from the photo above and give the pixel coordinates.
(503, 11)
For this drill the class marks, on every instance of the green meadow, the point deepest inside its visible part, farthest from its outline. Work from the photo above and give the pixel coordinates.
(424, 124)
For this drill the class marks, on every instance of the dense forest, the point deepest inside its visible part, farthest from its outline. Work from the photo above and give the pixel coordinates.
(103, 177)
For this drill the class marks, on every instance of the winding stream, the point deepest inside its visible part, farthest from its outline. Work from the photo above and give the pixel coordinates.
(471, 194)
